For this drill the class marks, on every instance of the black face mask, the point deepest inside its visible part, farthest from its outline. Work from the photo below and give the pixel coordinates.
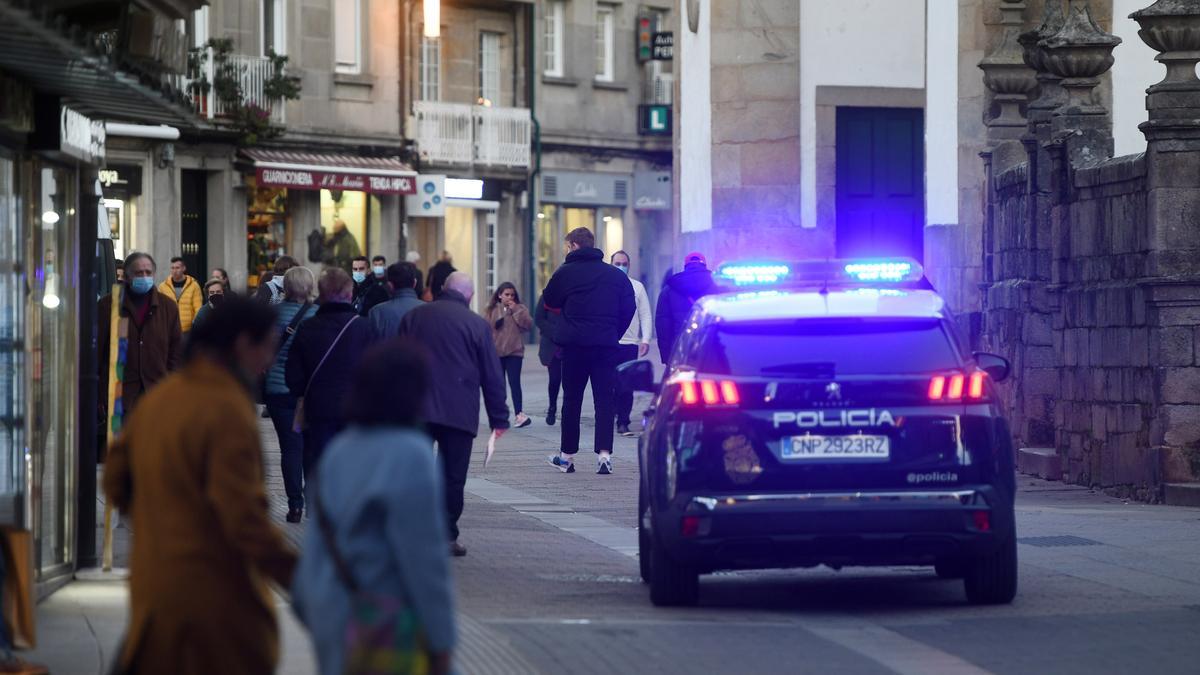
(215, 300)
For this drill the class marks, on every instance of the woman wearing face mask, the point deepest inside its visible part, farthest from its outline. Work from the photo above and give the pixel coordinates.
(214, 294)
(510, 322)
(190, 476)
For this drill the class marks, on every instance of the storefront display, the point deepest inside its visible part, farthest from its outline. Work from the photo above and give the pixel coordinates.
(267, 228)
(122, 188)
(12, 353)
(352, 209)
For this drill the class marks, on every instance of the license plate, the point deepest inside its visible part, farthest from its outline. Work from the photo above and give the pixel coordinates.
(841, 448)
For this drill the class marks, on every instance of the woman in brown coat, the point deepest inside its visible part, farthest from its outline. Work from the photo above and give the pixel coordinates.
(188, 469)
(510, 322)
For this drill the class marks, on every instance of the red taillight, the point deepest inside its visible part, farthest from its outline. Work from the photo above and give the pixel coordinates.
(710, 392)
(956, 387)
(690, 395)
(690, 526)
(982, 521)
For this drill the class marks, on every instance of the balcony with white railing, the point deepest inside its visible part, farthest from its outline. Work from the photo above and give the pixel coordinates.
(251, 74)
(462, 134)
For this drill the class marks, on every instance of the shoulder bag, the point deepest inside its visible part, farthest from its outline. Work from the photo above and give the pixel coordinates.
(382, 634)
(288, 333)
(298, 421)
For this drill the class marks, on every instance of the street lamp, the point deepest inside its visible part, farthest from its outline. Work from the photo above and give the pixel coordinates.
(433, 18)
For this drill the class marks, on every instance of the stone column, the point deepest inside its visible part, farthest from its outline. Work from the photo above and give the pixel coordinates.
(1008, 77)
(1079, 54)
(1050, 91)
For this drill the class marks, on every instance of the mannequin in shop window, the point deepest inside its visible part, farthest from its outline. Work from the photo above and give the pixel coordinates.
(341, 248)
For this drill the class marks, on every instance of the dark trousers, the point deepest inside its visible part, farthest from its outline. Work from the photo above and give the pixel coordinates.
(625, 398)
(555, 370)
(580, 365)
(316, 436)
(454, 447)
(511, 365)
(282, 410)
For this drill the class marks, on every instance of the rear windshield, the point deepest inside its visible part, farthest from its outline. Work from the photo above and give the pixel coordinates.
(826, 349)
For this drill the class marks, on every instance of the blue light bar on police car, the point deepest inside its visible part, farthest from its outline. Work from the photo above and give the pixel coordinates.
(747, 274)
(868, 271)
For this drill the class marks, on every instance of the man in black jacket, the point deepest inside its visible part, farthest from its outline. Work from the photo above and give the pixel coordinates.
(463, 359)
(679, 293)
(323, 355)
(596, 303)
(368, 290)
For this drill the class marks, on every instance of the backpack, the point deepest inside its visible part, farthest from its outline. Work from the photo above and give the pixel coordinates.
(316, 245)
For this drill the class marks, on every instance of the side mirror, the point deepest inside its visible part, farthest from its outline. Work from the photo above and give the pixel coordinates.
(995, 366)
(636, 376)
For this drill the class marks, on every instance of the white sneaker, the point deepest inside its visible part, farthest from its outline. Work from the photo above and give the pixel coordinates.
(604, 465)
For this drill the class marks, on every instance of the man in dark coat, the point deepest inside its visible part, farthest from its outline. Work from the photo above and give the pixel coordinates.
(154, 335)
(462, 358)
(368, 291)
(321, 359)
(438, 274)
(385, 318)
(595, 302)
(679, 293)
(341, 247)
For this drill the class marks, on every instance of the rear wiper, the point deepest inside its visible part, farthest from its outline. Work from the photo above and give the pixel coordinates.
(814, 369)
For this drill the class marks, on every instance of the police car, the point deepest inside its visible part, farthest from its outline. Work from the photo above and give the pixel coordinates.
(825, 413)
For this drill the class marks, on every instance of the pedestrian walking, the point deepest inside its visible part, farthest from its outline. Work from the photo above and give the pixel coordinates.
(510, 321)
(296, 308)
(368, 291)
(463, 358)
(635, 344)
(379, 548)
(214, 293)
(322, 356)
(403, 278)
(379, 268)
(148, 338)
(10, 662)
(438, 274)
(679, 293)
(550, 356)
(184, 291)
(191, 478)
(271, 291)
(220, 273)
(595, 302)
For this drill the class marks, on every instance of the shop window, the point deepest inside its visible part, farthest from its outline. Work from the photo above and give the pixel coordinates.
(268, 228)
(12, 355)
(349, 208)
(614, 231)
(52, 354)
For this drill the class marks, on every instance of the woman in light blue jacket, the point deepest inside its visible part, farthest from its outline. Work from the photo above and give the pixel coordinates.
(379, 485)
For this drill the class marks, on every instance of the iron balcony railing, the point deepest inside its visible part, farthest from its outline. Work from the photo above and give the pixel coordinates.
(462, 134)
(253, 72)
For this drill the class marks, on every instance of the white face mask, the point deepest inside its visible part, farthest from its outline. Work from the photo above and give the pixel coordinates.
(623, 268)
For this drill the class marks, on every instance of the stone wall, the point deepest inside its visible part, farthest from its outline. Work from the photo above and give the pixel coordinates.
(1092, 264)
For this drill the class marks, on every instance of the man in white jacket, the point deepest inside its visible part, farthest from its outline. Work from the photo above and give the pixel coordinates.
(636, 342)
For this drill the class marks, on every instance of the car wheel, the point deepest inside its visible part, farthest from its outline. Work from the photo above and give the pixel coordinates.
(644, 545)
(949, 568)
(671, 584)
(992, 579)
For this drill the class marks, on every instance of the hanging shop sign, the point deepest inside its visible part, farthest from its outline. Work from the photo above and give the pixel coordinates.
(301, 179)
(663, 47)
(591, 189)
(121, 181)
(80, 136)
(652, 190)
(430, 198)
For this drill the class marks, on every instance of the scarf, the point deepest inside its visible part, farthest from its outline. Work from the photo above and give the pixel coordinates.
(118, 352)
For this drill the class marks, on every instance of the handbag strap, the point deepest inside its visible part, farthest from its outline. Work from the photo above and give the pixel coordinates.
(312, 378)
(290, 331)
(326, 526)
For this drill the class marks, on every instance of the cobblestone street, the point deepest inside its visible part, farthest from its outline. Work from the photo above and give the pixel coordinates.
(550, 586)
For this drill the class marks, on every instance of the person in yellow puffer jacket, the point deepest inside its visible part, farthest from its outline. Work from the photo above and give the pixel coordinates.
(185, 291)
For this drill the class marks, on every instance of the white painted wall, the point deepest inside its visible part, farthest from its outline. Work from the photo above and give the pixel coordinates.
(860, 43)
(694, 127)
(1134, 70)
(941, 113)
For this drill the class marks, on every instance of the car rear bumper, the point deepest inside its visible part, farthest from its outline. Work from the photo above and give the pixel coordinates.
(747, 531)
